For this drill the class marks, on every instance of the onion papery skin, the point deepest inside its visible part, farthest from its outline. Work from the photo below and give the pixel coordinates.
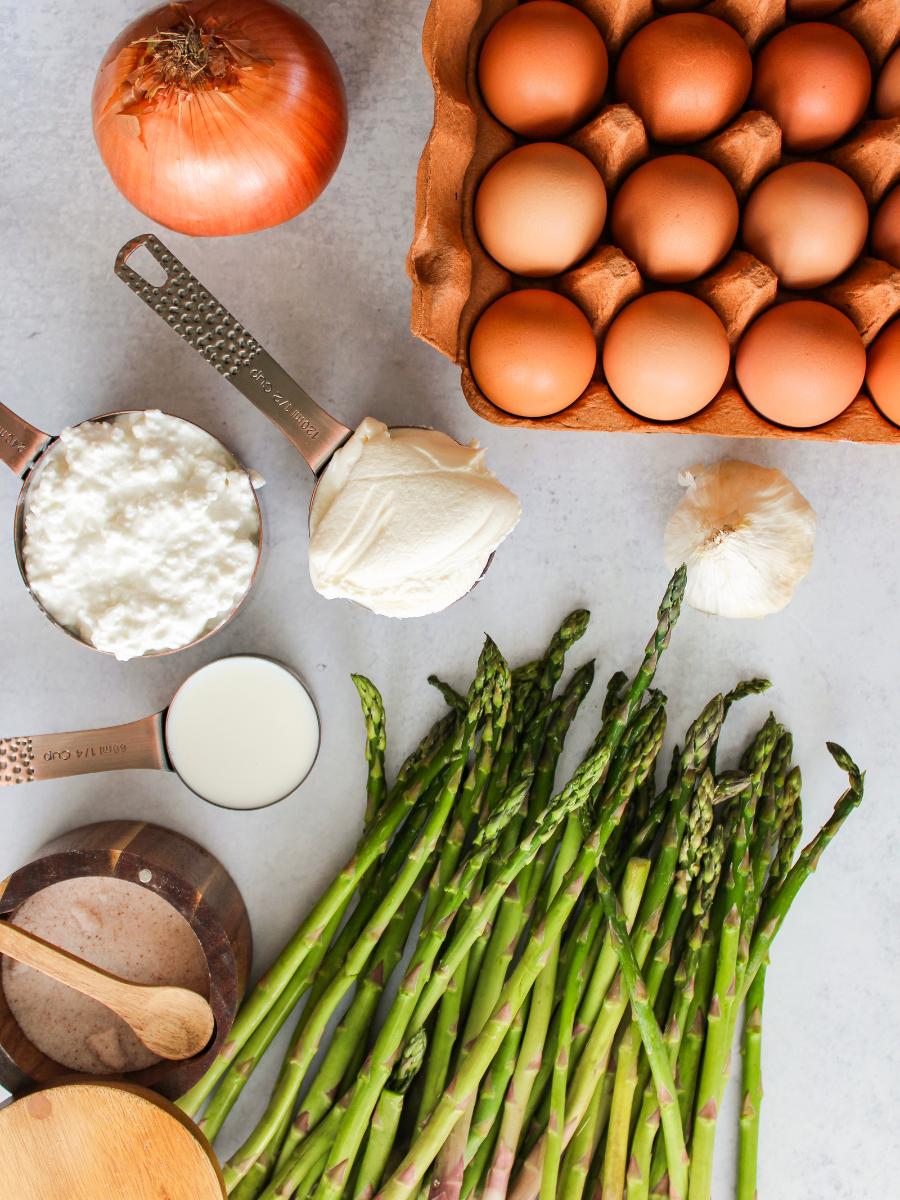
(231, 156)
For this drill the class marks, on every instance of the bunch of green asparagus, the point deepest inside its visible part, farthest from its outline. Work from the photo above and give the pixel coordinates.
(515, 991)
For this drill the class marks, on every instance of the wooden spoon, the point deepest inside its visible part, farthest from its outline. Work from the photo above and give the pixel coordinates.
(172, 1022)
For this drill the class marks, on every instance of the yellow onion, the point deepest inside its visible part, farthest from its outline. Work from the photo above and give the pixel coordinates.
(218, 117)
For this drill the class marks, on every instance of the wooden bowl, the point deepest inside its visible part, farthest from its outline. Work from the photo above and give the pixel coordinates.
(180, 872)
(84, 1139)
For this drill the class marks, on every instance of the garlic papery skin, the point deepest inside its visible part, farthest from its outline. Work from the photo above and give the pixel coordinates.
(746, 535)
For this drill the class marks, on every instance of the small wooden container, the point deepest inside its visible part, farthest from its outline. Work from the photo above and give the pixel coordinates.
(454, 279)
(179, 871)
(82, 1139)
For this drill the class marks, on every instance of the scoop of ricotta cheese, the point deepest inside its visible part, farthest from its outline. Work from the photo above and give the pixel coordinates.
(405, 520)
(141, 532)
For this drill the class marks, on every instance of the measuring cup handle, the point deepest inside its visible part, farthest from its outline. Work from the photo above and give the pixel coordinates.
(20, 443)
(139, 744)
(198, 317)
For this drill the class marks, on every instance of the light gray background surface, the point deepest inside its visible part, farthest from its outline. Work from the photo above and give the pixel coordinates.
(329, 296)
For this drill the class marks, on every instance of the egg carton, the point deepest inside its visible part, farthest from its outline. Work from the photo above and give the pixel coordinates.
(454, 279)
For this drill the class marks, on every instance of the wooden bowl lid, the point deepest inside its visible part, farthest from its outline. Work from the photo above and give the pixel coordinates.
(82, 1140)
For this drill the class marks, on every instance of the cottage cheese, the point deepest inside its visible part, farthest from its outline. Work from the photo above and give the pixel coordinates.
(141, 532)
(405, 520)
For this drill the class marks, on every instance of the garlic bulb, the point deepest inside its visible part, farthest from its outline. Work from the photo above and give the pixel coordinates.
(746, 535)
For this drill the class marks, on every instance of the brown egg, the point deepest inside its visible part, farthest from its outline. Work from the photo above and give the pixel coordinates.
(886, 229)
(685, 75)
(801, 363)
(808, 221)
(666, 356)
(543, 68)
(540, 208)
(676, 217)
(887, 93)
(815, 80)
(532, 353)
(812, 10)
(883, 371)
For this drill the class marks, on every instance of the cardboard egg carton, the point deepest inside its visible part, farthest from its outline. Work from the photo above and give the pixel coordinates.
(454, 279)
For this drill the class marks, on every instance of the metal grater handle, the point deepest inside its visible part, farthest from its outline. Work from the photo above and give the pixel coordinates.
(198, 317)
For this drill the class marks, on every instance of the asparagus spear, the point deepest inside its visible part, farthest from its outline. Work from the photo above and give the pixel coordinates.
(486, 1119)
(581, 1151)
(644, 1136)
(376, 743)
(776, 909)
(474, 788)
(575, 978)
(752, 1090)
(737, 896)
(771, 813)
(452, 698)
(306, 1164)
(787, 823)
(651, 1036)
(746, 687)
(696, 829)
(615, 689)
(386, 1118)
(448, 1174)
(583, 1144)
(347, 1048)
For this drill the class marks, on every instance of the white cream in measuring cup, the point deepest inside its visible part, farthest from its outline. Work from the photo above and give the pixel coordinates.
(242, 732)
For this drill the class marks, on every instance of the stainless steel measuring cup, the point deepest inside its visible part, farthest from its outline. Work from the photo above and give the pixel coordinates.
(204, 323)
(23, 448)
(136, 745)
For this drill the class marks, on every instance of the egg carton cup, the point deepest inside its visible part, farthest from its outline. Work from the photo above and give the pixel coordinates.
(454, 279)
